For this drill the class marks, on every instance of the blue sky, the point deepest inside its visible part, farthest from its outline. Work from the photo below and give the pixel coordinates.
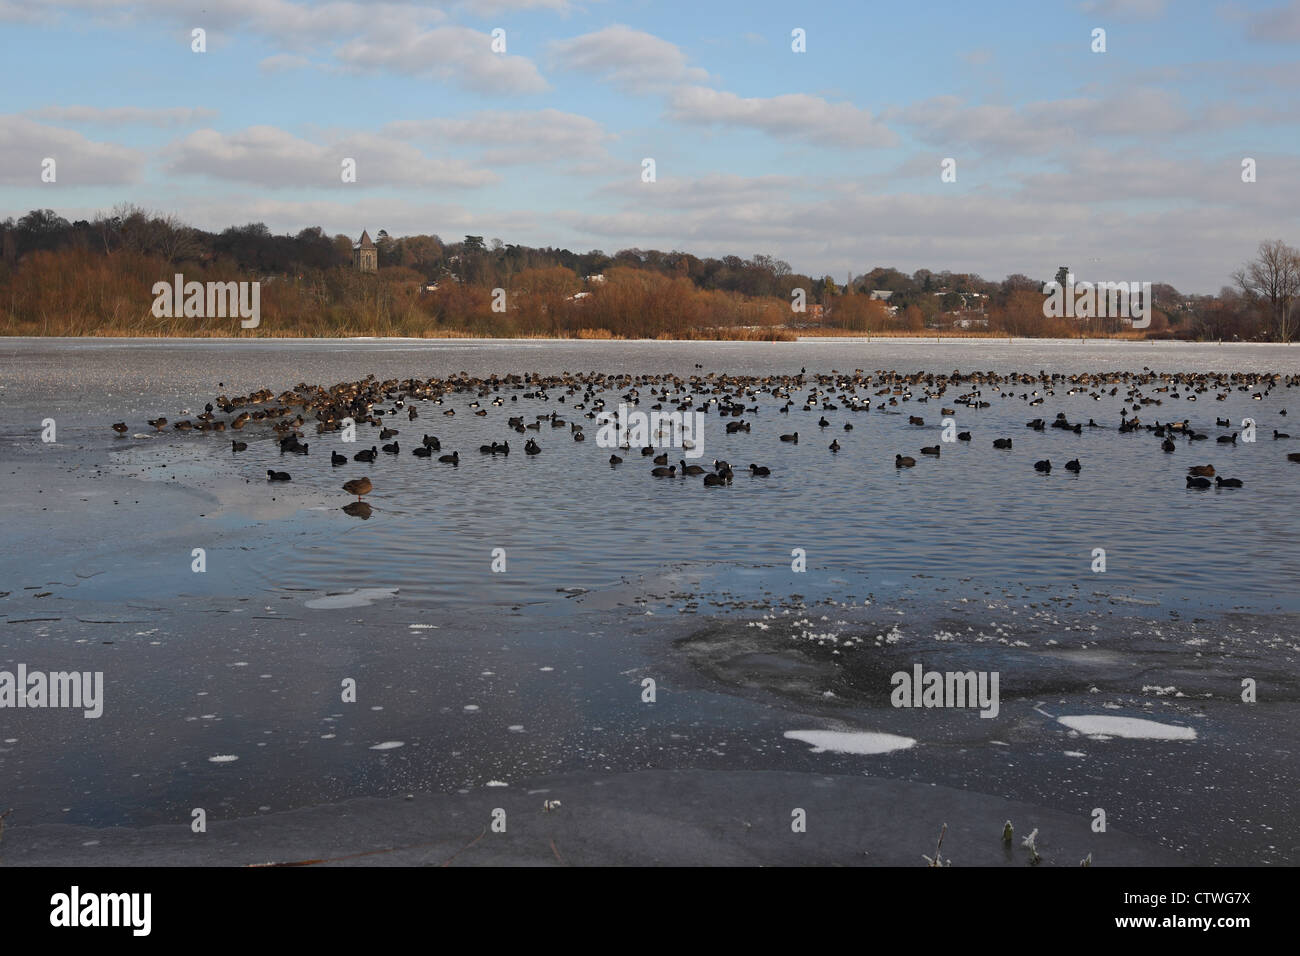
(1125, 164)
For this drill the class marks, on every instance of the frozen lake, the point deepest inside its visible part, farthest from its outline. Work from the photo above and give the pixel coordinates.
(222, 688)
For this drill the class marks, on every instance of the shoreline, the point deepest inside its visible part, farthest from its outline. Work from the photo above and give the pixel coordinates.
(847, 339)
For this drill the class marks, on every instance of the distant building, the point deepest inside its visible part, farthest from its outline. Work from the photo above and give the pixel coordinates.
(366, 254)
(881, 295)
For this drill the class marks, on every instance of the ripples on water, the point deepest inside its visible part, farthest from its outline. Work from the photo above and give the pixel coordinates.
(567, 519)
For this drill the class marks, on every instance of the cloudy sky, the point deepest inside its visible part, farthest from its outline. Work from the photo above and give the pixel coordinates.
(1125, 165)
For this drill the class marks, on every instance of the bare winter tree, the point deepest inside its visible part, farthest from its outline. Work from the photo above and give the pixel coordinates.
(1273, 278)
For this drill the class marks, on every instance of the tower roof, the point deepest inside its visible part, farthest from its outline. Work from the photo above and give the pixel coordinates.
(365, 242)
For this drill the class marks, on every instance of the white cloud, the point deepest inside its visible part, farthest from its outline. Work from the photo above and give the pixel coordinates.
(125, 115)
(515, 137)
(1277, 25)
(633, 60)
(1126, 9)
(24, 144)
(1050, 125)
(458, 54)
(271, 157)
(792, 116)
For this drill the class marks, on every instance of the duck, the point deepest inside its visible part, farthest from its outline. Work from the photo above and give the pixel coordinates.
(904, 461)
(1167, 445)
(277, 475)
(931, 450)
(661, 459)
(120, 428)
(158, 423)
(615, 460)
(358, 487)
(452, 459)
(835, 445)
(822, 422)
(662, 472)
(759, 471)
(1195, 482)
(690, 469)
(238, 446)
(532, 448)
(1227, 440)
(1222, 482)
(1205, 471)
(392, 448)
(387, 433)
(369, 455)
(1294, 456)
(712, 480)
(963, 436)
(423, 451)
(1045, 466)
(1073, 465)
(794, 437)
(1002, 443)
(431, 441)
(336, 459)
(1277, 434)
(915, 420)
(357, 509)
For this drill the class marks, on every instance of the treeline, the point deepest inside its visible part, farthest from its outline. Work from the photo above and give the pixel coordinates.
(94, 277)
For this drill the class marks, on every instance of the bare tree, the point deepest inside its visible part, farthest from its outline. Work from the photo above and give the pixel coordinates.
(1273, 277)
(173, 239)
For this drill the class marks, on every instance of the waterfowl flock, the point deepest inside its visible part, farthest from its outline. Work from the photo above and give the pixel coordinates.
(743, 401)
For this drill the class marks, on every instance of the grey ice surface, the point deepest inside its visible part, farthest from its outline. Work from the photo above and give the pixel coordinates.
(533, 678)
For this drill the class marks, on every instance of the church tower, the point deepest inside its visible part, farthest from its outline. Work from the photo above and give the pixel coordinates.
(366, 254)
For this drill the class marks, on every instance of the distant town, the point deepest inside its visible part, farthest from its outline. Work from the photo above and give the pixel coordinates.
(94, 278)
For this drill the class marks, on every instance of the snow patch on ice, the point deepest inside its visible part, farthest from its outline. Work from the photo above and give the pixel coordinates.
(1134, 728)
(361, 597)
(855, 742)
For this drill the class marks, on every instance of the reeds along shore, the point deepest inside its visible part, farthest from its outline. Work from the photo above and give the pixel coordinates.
(79, 292)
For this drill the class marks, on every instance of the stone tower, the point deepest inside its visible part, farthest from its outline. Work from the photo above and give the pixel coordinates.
(366, 254)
